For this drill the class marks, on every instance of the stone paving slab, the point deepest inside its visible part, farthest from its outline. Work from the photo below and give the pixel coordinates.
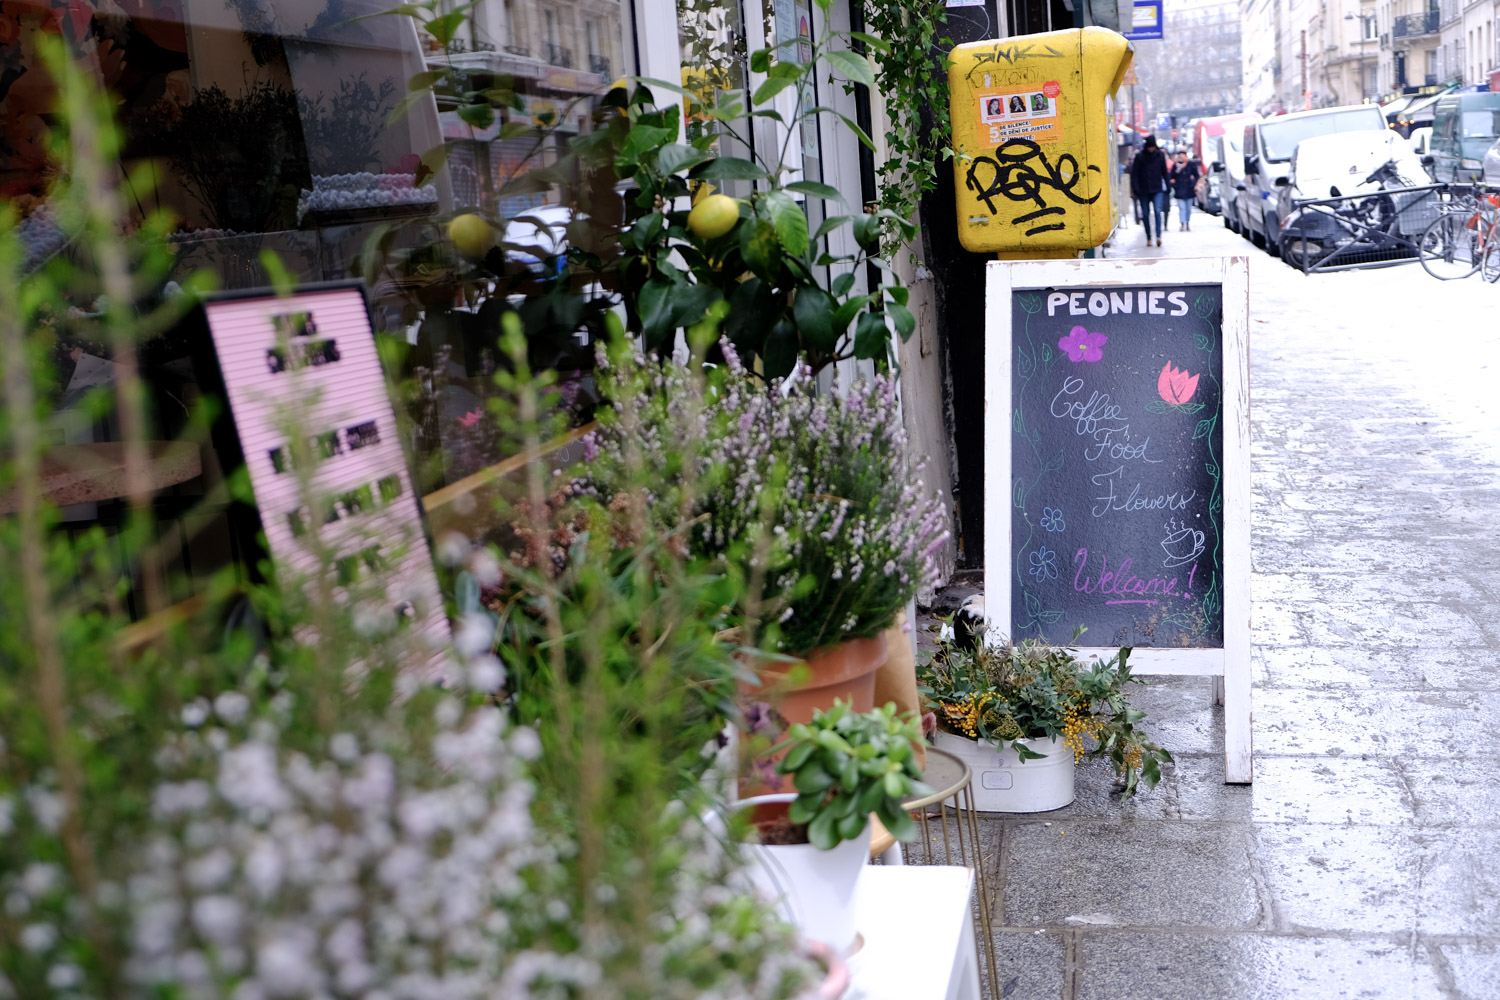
(1175, 966)
(1102, 873)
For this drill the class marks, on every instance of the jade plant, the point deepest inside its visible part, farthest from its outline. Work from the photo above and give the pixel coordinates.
(846, 765)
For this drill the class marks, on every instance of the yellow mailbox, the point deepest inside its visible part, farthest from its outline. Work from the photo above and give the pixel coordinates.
(1035, 140)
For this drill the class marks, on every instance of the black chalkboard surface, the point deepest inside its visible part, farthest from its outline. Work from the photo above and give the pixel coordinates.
(1116, 452)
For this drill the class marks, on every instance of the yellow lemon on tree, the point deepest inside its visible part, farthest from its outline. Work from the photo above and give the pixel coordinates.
(714, 216)
(472, 235)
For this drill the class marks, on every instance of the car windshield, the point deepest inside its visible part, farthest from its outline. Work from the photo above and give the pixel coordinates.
(1280, 138)
(1484, 124)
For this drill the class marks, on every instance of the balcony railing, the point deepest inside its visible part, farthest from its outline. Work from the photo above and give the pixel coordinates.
(1416, 25)
(559, 55)
(519, 50)
(599, 64)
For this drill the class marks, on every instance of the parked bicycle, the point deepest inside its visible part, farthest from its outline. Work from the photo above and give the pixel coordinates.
(1465, 238)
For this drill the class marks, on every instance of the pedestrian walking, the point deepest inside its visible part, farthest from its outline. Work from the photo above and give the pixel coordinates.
(1185, 176)
(1148, 185)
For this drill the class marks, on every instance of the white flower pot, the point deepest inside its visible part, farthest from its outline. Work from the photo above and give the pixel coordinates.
(1005, 783)
(813, 888)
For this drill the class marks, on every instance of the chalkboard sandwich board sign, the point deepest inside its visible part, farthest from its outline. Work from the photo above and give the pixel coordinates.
(1117, 491)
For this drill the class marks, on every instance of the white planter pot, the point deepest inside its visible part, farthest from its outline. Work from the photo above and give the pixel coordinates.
(1005, 783)
(813, 888)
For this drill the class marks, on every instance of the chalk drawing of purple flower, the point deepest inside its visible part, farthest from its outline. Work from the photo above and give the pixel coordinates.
(1044, 564)
(1080, 345)
(1052, 519)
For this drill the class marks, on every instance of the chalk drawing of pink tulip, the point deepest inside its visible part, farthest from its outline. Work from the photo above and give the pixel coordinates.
(1080, 345)
(1176, 385)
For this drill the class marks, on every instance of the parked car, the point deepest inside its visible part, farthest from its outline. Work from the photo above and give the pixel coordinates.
(1206, 133)
(1421, 140)
(1490, 169)
(1463, 127)
(1227, 171)
(1268, 149)
(1341, 165)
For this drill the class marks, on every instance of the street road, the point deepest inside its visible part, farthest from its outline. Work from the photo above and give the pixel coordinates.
(1365, 859)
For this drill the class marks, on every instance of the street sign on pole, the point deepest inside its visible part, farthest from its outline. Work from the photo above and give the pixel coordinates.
(1145, 20)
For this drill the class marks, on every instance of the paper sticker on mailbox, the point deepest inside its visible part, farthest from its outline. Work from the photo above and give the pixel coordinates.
(1029, 113)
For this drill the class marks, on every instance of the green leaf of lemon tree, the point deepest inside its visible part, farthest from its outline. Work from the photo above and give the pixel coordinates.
(813, 309)
(790, 223)
(677, 157)
(780, 353)
(815, 190)
(726, 168)
(759, 247)
(853, 65)
(870, 336)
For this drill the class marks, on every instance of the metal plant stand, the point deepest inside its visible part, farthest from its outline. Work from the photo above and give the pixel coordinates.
(950, 778)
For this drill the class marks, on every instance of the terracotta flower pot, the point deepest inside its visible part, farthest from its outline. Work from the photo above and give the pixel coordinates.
(845, 671)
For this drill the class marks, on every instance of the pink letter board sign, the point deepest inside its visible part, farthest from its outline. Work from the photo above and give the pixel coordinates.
(310, 357)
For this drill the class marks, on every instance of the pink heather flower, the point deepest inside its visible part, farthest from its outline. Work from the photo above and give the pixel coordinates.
(1080, 345)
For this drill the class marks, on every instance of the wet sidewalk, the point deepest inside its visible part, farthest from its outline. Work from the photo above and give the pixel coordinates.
(1365, 859)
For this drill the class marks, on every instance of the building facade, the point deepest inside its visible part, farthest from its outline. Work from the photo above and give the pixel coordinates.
(1194, 71)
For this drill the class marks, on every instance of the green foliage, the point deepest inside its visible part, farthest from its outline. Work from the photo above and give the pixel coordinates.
(127, 762)
(846, 765)
(910, 51)
(768, 268)
(1035, 690)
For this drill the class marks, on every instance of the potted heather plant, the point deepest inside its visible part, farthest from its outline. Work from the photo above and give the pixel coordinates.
(810, 845)
(1023, 714)
(806, 500)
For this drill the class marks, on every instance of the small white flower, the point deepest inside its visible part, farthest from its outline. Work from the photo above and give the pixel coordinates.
(47, 808)
(344, 747)
(40, 879)
(473, 635)
(218, 918)
(525, 743)
(485, 566)
(451, 548)
(264, 867)
(195, 713)
(64, 976)
(38, 937)
(486, 674)
(232, 707)
(286, 968)
(448, 712)
(212, 870)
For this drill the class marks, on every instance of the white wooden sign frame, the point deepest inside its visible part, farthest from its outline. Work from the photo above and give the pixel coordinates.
(1231, 664)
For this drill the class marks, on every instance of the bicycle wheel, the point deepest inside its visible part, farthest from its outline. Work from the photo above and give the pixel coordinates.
(1490, 270)
(1448, 247)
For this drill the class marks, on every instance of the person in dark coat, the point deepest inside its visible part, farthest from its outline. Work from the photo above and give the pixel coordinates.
(1184, 177)
(1148, 185)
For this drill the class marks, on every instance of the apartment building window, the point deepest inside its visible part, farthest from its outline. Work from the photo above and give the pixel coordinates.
(598, 61)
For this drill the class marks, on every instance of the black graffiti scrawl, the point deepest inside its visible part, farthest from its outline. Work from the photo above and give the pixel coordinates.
(1020, 172)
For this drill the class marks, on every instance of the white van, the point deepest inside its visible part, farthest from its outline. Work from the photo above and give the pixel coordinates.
(1268, 149)
(1227, 171)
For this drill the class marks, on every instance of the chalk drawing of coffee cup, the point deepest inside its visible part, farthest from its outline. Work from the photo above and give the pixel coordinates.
(1182, 545)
